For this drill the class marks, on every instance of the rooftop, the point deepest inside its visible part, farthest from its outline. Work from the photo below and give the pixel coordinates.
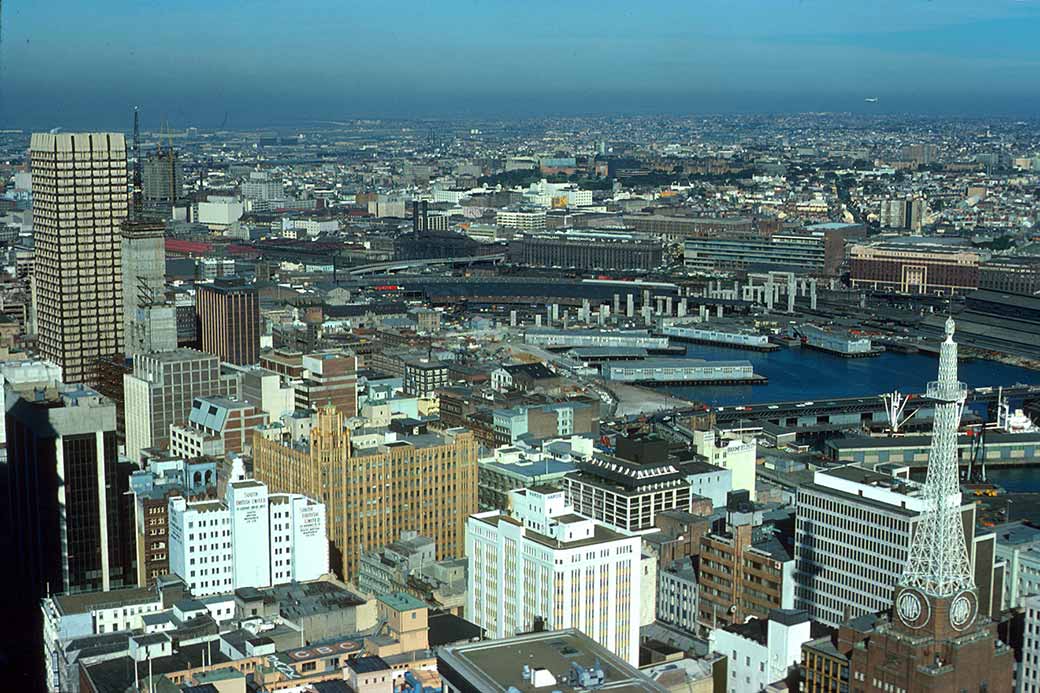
(532, 468)
(91, 601)
(1016, 534)
(296, 600)
(367, 665)
(118, 674)
(600, 534)
(494, 666)
(399, 601)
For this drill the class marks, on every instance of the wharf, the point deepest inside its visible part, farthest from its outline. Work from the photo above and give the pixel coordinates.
(693, 382)
(874, 351)
(722, 343)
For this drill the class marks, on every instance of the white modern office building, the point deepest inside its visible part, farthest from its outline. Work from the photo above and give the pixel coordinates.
(852, 538)
(250, 539)
(1018, 546)
(677, 592)
(543, 562)
(626, 496)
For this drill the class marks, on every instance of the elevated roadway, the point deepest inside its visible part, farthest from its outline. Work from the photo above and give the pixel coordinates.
(401, 265)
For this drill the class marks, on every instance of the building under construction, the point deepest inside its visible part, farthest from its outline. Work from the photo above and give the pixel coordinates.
(163, 179)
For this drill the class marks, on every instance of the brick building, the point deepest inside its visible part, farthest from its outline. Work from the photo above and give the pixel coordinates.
(1013, 275)
(744, 573)
(913, 269)
(216, 426)
(329, 377)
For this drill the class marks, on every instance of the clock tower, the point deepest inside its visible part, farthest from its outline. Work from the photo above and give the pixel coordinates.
(935, 638)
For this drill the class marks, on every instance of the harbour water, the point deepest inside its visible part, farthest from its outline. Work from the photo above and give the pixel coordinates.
(1015, 479)
(809, 375)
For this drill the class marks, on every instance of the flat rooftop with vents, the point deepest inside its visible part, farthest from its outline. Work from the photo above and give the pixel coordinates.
(493, 666)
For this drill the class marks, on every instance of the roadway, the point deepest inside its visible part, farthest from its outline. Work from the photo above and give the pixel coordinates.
(843, 405)
(399, 265)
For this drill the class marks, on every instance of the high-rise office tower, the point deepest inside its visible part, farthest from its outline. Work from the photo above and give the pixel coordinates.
(852, 539)
(149, 320)
(937, 637)
(229, 320)
(922, 154)
(907, 213)
(426, 483)
(80, 198)
(70, 502)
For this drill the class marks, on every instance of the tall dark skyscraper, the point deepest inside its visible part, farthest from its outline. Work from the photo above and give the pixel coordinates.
(229, 320)
(68, 491)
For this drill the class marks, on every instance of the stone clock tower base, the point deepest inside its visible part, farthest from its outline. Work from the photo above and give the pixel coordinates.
(934, 646)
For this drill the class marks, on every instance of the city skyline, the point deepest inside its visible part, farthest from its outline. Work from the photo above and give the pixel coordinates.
(480, 347)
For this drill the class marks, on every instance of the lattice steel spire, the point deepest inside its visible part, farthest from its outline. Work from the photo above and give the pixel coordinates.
(938, 565)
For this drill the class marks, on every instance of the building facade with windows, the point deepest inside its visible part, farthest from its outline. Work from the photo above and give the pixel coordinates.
(216, 426)
(1027, 680)
(745, 572)
(80, 199)
(423, 377)
(587, 249)
(228, 312)
(328, 377)
(913, 269)
(542, 563)
(852, 538)
(250, 539)
(626, 495)
(677, 591)
(426, 483)
(160, 392)
(761, 651)
(72, 528)
(1013, 275)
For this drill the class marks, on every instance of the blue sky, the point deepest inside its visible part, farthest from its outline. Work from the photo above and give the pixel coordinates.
(85, 62)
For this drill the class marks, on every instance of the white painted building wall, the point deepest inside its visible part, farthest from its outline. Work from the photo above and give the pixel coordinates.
(252, 539)
(753, 665)
(220, 211)
(731, 452)
(557, 566)
(1027, 678)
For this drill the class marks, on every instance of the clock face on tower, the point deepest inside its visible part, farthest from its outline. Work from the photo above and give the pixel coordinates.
(963, 609)
(913, 609)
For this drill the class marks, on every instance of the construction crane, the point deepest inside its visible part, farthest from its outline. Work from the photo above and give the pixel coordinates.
(895, 403)
(135, 209)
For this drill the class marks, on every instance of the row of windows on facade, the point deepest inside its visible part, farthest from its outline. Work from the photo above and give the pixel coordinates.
(851, 514)
(847, 547)
(844, 542)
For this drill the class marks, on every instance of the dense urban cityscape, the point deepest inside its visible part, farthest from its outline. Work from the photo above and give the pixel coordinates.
(683, 402)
